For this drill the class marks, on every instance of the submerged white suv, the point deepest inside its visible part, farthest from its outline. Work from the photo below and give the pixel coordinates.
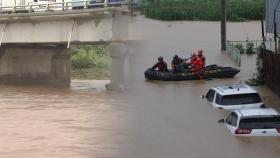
(233, 97)
(253, 122)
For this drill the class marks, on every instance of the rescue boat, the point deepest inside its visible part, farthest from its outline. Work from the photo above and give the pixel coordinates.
(211, 71)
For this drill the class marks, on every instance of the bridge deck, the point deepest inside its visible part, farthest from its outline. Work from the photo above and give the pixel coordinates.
(63, 15)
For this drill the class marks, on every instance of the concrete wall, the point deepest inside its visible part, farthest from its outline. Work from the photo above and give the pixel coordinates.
(85, 26)
(58, 31)
(48, 65)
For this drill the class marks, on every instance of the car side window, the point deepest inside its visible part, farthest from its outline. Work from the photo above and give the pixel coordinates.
(218, 99)
(210, 95)
(232, 119)
(229, 118)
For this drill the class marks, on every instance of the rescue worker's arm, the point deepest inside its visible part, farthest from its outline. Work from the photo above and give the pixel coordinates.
(181, 60)
(173, 66)
(155, 66)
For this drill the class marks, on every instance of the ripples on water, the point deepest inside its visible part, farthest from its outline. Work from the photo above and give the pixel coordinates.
(50, 122)
(150, 120)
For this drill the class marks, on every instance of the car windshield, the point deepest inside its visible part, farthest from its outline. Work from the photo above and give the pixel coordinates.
(239, 99)
(270, 122)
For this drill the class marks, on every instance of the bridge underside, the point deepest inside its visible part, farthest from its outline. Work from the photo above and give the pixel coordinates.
(44, 65)
(41, 64)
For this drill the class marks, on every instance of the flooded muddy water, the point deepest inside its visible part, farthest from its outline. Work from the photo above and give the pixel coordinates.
(149, 120)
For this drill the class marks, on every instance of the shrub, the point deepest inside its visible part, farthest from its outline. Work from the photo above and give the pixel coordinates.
(90, 56)
(250, 48)
(238, 10)
(240, 47)
(257, 78)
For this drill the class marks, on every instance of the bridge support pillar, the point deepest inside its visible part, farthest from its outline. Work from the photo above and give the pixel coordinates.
(33, 64)
(118, 52)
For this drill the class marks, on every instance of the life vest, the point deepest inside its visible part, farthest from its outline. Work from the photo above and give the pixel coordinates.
(161, 66)
(198, 64)
(193, 61)
(203, 60)
(198, 68)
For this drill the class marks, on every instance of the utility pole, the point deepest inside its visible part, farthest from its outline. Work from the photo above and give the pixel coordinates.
(263, 35)
(131, 7)
(223, 25)
(275, 28)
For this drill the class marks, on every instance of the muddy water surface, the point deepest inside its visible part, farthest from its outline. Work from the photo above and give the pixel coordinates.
(149, 120)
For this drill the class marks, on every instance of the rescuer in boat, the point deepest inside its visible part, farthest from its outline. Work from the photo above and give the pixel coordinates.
(177, 64)
(197, 65)
(161, 65)
(190, 64)
(193, 59)
(201, 57)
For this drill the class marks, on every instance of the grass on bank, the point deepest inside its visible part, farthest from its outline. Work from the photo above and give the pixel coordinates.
(91, 62)
(209, 10)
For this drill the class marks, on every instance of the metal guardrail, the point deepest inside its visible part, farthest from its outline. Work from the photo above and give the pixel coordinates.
(60, 6)
(234, 47)
(269, 44)
(234, 53)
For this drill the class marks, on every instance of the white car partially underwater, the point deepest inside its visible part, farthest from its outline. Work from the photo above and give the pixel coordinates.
(253, 122)
(233, 97)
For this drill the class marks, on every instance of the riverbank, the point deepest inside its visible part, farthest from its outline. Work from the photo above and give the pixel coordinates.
(91, 74)
(91, 62)
(205, 10)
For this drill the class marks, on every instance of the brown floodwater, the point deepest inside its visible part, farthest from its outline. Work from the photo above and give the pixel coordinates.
(149, 120)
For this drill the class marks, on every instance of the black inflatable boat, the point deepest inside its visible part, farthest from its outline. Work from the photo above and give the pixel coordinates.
(212, 71)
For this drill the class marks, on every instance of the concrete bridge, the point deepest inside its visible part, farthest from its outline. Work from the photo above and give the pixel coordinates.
(36, 48)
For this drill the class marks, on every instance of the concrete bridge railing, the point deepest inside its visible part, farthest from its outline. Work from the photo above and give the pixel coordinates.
(62, 6)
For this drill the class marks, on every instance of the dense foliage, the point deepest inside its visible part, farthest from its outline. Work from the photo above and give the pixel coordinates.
(258, 77)
(248, 47)
(238, 10)
(91, 62)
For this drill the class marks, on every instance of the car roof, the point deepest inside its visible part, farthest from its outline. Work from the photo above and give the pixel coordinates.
(234, 89)
(257, 112)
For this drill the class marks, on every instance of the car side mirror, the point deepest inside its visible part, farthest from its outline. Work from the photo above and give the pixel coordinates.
(221, 121)
(263, 106)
